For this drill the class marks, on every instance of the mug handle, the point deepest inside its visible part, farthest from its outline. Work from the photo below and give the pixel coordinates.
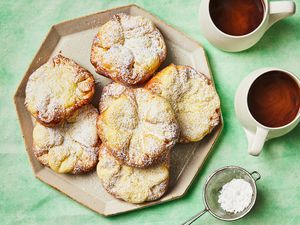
(280, 10)
(258, 141)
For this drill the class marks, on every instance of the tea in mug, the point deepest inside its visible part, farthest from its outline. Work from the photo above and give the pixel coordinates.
(237, 17)
(274, 99)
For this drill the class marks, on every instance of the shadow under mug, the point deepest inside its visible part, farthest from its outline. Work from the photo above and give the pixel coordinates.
(273, 12)
(256, 132)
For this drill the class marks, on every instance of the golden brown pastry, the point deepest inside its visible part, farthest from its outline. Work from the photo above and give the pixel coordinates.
(138, 127)
(128, 49)
(69, 148)
(193, 98)
(56, 89)
(130, 184)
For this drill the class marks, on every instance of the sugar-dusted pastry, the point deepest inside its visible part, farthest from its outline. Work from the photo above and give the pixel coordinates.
(193, 98)
(71, 147)
(128, 49)
(56, 89)
(138, 127)
(130, 184)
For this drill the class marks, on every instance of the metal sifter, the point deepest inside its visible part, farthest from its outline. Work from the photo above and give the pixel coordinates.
(214, 184)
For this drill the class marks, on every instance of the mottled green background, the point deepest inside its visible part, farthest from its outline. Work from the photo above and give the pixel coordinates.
(26, 200)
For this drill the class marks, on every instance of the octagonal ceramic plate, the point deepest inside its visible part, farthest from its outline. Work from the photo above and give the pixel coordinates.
(74, 38)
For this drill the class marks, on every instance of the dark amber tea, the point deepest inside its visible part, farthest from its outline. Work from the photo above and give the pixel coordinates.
(274, 99)
(236, 17)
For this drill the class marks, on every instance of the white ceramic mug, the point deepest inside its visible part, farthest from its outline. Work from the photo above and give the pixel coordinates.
(273, 12)
(257, 133)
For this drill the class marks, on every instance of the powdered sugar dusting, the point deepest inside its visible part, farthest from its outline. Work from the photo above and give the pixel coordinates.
(193, 98)
(72, 147)
(131, 184)
(55, 87)
(128, 48)
(83, 130)
(113, 90)
(48, 107)
(120, 58)
(143, 124)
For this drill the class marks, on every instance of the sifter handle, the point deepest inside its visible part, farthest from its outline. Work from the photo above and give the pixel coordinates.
(194, 218)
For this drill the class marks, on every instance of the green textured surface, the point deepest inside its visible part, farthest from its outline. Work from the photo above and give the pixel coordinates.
(26, 200)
